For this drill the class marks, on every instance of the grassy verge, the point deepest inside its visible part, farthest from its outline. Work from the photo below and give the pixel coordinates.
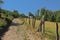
(50, 28)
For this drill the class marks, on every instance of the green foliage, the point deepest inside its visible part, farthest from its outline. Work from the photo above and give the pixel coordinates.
(43, 11)
(2, 23)
(57, 19)
(10, 17)
(6, 18)
(53, 19)
(46, 17)
(53, 16)
(15, 14)
(57, 14)
(30, 14)
(23, 16)
(37, 14)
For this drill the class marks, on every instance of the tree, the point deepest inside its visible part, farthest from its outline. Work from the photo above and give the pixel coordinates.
(53, 19)
(57, 14)
(43, 10)
(37, 14)
(58, 19)
(30, 14)
(16, 14)
(46, 17)
(23, 15)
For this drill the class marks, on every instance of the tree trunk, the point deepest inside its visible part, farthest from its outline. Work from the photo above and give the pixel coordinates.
(33, 22)
(26, 19)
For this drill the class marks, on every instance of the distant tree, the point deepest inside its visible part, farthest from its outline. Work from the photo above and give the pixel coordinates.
(53, 19)
(46, 17)
(23, 15)
(58, 19)
(16, 14)
(30, 14)
(37, 14)
(57, 14)
(43, 11)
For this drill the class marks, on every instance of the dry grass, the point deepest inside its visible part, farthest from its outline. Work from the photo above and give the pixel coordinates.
(50, 27)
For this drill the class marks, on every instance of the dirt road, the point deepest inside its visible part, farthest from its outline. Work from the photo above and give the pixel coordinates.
(18, 31)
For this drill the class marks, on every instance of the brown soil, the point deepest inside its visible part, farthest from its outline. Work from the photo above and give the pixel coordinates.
(19, 31)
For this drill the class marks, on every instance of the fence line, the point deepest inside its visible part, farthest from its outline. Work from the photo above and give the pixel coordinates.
(43, 31)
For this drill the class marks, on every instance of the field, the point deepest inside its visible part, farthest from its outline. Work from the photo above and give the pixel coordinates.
(50, 28)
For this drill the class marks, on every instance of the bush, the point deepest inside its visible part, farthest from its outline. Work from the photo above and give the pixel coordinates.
(57, 19)
(2, 23)
(10, 17)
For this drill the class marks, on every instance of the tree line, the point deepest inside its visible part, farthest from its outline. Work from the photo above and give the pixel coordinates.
(53, 16)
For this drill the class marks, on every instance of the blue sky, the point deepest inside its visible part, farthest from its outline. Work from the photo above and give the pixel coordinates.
(25, 6)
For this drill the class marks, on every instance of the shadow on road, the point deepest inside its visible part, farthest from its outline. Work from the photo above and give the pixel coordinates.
(4, 30)
(16, 24)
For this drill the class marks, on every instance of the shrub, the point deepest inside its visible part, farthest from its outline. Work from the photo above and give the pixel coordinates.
(2, 23)
(10, 17)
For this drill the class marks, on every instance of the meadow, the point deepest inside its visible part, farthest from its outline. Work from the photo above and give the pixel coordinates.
(50, 28)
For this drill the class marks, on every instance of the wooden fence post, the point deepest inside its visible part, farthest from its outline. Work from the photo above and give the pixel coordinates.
(29, 20)
(57, 34)
(43, 31)
(33, 22)
(26, 19)
(42, 28)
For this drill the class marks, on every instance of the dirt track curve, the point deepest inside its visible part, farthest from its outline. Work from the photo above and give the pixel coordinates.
(18, 31)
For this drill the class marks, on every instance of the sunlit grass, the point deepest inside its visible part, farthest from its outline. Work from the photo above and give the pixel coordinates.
(50, 27)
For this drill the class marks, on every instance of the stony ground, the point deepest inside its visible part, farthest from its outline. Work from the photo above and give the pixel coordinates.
(19, 31)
